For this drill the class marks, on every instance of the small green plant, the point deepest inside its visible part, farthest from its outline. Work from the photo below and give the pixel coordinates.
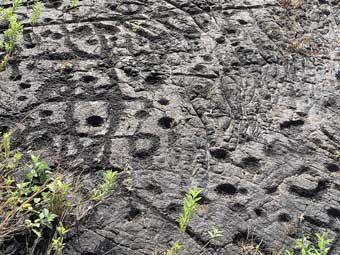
(174, 250)
(214, 234)
(74, 3)
(6, 144)
(110, 178)
(136, 27)
(305, 248)
(8, 160)
(13, 34)
(45, 218)
(36, 12)
(58, 241)
(189, 207)
(56, 197)
(39, 172)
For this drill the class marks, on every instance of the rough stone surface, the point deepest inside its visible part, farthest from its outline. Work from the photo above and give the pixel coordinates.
(238, 97)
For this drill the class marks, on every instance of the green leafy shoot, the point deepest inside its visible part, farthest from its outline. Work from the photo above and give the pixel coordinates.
(7, 13)
(215, 233)
(174, 250)
(189, 207)
(13, 34)
(56, 197)
(58, 241)
(74, 3)
(6, 144)
(110, 178)
(4, 61)
(36, 11)
(17, 3)
(305, 248)
(45, 218)
(39, 172)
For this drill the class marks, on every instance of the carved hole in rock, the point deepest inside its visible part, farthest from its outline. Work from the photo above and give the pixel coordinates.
(235, 44)
(154, 188)
(218, 153)
(165, 122)
(24, 85)
(250, 244)
(163, 101)
(250, 162)
(243, 191)
(88, 79)
(153, 77)
(332, 167)
(303, 169)
(226, 189)
(333, 212)
(231, 31)
(242, 22)
(142, 114)
(258, 211)
(284, 217)
(271, 189)
(92, 41)
(238, 207)
(315, 221)
(4, 129)
(291, 123)
(53, 3)
(95, 121)
(56, 36)
(22, 98)
(133, 213)
(45, 113)
(46, 33)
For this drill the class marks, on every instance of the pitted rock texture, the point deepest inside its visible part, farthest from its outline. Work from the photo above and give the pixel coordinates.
(240, 98)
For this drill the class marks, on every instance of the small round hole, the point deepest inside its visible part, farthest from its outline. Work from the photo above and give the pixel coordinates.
(24, 85)
(163, 101)
(166, 122)
(226, 189)
(22, 98)
(46, 113)
(95, 121)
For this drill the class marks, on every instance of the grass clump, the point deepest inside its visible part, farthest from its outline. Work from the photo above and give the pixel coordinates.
(321, 247)
(106, 189)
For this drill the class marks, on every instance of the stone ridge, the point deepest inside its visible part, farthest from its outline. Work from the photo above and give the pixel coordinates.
(237, 97)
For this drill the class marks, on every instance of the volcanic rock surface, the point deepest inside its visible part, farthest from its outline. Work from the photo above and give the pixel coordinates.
(237, 97)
